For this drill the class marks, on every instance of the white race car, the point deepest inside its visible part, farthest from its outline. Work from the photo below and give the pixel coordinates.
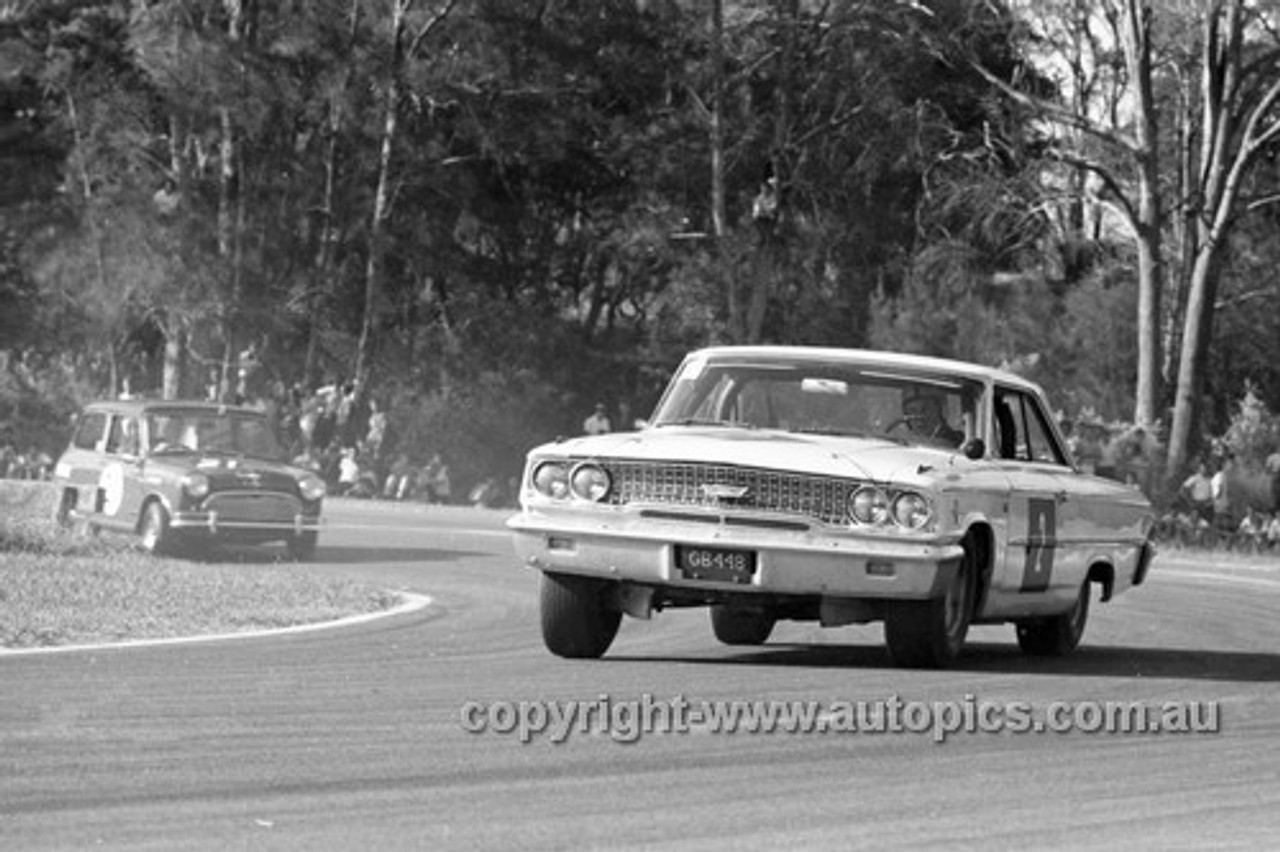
(831, 485)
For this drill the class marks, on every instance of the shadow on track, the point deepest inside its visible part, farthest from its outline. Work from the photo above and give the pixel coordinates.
(365, 554)
(1086, 661)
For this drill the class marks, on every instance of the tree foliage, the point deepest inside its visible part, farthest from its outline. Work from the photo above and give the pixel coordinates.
(498, 212)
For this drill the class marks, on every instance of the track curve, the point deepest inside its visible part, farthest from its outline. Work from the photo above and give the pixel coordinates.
(355, 737)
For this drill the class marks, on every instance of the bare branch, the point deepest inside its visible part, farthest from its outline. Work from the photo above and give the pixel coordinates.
(429, 26)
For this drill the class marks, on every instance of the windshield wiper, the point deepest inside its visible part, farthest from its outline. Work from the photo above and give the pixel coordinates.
(826, 430)
(724, 424)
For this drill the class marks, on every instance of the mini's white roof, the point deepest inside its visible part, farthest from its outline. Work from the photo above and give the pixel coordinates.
(870, 357)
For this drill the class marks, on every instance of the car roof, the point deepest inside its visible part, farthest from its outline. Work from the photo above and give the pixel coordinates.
(869, 357)
(141, 406)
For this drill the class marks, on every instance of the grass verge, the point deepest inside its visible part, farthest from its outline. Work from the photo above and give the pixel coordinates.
(59, 589)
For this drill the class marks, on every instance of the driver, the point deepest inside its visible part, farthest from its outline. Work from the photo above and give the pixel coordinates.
(922, 411)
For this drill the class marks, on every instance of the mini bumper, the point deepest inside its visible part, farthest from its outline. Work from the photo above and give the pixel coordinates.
(210, 522)
(789, 563)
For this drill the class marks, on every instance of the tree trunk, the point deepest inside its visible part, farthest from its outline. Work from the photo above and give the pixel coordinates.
(1136, 32)
(381, 198)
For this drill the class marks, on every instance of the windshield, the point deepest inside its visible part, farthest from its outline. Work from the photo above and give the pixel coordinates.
(212, 431)
(823, 398)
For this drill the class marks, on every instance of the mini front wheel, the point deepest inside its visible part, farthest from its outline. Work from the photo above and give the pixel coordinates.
(154, 530)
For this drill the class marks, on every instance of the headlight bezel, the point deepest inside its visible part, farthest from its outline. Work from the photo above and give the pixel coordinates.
(589, 481)
(196, 485)
(877, 506)
(312, 488)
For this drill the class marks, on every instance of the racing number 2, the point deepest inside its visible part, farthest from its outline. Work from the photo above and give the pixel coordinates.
(1041, 529)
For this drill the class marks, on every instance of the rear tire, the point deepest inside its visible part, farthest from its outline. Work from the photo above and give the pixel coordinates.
(576, 621)
(930, 634)
(63, 513)
(738, 627)
(1057, 635)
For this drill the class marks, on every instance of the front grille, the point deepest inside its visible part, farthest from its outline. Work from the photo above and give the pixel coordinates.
(821, 498)
(253, 506)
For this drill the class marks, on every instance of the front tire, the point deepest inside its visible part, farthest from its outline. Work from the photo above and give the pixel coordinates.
(738, 627)
(930, 634)
(1057, 635)
(156, 536)
(302, 547)
(576, 622)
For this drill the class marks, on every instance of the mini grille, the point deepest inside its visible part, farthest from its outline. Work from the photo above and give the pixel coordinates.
(242, 506)
(821, 498)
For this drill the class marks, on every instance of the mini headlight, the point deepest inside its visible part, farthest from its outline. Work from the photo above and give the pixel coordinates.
(551, 479)
(869, 505)
(311, 488)
(196, 484)
(590, 482)
(911, 510)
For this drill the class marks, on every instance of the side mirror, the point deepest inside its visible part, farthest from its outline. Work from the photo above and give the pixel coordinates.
(974, 448)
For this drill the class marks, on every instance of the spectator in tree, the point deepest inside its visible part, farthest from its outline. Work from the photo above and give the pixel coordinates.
(598, 423)
(377, 429)
(400, 479)
(1273, 531)
(1198, 491)
(436, 474)
(1222, 495)
(1273, 467)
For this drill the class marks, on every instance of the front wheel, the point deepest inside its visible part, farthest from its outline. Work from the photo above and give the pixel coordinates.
(1057, 635)
(738, 627)
(154, 530)
(302, 547)
(576, 621)
(930, 634)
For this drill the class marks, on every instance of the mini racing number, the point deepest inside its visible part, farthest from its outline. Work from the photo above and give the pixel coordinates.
(111, 483)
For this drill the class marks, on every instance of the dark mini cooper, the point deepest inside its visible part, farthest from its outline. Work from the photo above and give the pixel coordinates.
(182, 473)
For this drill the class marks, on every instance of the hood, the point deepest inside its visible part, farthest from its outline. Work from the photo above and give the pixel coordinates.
(236, 472)
(874, 459)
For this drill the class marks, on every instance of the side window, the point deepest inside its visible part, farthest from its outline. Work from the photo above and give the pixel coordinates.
(123, 439)
(1009, 433)
(1022, 431)
(1040, 438)
(89, 431)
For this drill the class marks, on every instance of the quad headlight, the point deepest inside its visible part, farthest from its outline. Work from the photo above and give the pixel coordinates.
(590, 482)
(911, 511)
(551, 479)
(869, 505)
(873, 506)
(561, 480)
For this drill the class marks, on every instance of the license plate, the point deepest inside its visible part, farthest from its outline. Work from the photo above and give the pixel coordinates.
(716, 564)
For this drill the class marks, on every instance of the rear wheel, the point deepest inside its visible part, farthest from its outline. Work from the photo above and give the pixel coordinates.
(576, 621)
(930, 634)
(1057, 635)
(740, 627)
(154, 530)
(64, 512)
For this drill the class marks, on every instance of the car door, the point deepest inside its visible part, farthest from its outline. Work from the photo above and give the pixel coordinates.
(81, 464)
(120, 487)
(1036, 573)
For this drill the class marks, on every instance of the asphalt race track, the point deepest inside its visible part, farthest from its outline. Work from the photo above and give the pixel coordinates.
(353, 738)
